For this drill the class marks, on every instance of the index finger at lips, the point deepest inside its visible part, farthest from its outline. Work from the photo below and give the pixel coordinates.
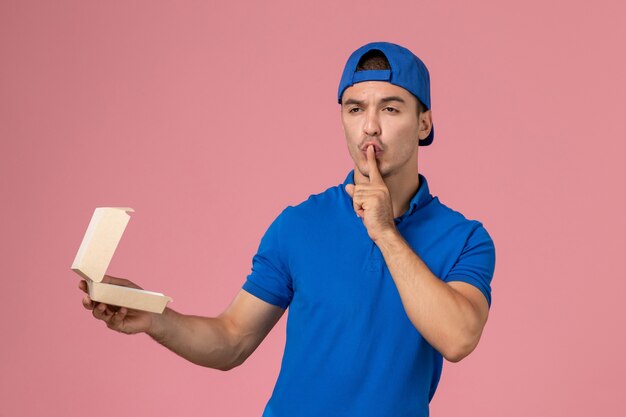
(374, 173)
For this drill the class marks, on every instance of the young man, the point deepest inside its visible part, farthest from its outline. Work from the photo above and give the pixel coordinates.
(381, 279)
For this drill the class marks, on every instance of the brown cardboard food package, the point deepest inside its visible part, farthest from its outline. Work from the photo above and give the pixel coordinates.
(94, 255)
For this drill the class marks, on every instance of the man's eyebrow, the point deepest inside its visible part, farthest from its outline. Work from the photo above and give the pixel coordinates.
(392, 98)
(382, 100)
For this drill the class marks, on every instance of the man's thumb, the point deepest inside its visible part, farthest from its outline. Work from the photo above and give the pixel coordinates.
(350, 189)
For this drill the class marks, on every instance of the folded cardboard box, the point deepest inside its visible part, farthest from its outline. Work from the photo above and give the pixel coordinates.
(94, 255)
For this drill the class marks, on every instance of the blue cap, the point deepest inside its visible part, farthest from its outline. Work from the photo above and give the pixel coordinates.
(407, 71)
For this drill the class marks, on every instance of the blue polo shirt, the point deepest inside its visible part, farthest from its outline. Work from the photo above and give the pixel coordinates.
(351, 349)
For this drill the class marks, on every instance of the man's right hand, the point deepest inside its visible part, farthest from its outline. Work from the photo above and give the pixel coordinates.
(120, 319)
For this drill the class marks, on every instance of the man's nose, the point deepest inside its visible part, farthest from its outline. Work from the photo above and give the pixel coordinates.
(372, 124)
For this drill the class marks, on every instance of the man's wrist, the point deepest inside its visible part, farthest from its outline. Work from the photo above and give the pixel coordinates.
(157, 329)
(388, 236)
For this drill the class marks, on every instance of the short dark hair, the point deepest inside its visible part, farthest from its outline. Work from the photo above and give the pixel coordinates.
(376, 60)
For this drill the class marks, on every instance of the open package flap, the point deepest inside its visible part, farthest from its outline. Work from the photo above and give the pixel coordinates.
(94, 255)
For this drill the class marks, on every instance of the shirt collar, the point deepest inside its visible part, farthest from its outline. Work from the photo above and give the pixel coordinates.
(419, 200)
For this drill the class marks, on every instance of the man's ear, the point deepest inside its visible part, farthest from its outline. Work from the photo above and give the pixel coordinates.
(425, 124)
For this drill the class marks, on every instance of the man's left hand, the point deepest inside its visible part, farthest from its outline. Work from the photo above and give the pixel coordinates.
(372, 202)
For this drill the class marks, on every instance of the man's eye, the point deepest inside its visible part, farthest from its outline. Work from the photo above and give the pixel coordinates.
(354, 110)
(391, 109)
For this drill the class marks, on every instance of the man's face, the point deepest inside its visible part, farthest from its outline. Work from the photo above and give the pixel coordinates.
(385, 115)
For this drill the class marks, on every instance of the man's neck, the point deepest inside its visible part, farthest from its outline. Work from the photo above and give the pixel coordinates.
(402, 187)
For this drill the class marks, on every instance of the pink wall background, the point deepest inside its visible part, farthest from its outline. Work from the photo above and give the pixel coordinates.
(208, 118)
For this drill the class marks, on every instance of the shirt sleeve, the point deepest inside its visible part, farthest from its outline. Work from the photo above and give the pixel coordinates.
(476, 263)
(270, 279)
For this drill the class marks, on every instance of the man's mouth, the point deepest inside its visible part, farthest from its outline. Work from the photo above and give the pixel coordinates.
(378, 153)
(377, 149)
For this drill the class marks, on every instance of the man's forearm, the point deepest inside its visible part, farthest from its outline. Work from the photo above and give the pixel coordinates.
(204, 341)
(444, 317)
